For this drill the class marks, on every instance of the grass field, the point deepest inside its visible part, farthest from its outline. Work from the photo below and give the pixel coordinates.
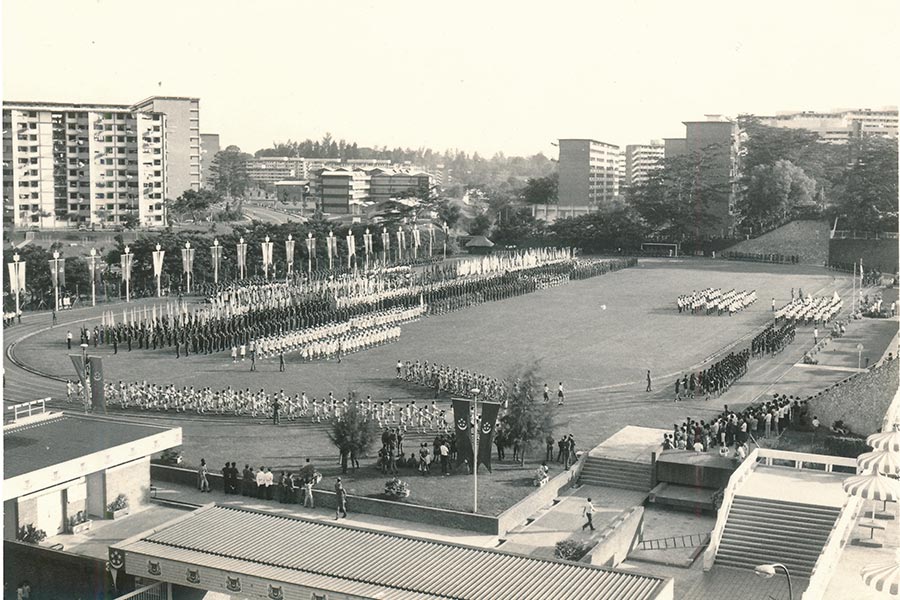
(601, 356)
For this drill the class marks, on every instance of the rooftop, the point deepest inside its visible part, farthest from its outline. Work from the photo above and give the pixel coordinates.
(34, 446)
(351, 560)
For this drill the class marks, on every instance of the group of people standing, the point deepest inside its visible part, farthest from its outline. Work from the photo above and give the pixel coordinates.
(443, 378)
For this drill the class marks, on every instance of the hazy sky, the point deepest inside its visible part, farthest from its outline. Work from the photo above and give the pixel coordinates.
(482, 76)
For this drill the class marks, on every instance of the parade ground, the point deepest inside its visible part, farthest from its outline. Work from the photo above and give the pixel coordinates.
(598, 336)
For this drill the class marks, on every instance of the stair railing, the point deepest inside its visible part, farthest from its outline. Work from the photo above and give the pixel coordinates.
(823, 570)
(688, 540)
(734, 482)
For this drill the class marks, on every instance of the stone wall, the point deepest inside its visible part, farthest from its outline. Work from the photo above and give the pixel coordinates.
(861, 402)
(131, 479)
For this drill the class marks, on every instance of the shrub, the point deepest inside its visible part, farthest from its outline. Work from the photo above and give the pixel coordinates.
(77, 519)
(31, 535)
(396, 488)
(850, 447)
(571, 550)
(119, 503)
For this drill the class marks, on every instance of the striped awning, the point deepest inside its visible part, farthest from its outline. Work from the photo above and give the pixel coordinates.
(254, 553)
(888, 440)
(873, 486)
(883, 576)
(885, 462)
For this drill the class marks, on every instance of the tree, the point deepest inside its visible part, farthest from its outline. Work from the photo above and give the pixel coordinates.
(229, 172)
(609, 229)
(772, 194)
(193, 203)
(541, 190)
(479, 225)
(867, 191)
(676, 201)
(353, 433)
(449, 213)
(519, 228)
(528, 419)
(131, 220)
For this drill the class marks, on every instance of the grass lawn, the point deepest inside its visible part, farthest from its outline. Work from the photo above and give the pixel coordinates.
(601, 356)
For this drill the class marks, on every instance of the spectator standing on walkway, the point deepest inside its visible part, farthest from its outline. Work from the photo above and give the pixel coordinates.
(203, 476)
(69, 339)
(341, 497)
(649, 386)
(308, 501)
(588, 513)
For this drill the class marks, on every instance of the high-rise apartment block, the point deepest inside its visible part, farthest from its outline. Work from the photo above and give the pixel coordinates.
(641, 160)
(66, 165)
(712, 145)
(71, 164)
(839, 125)
(182, 140)
(588, 172)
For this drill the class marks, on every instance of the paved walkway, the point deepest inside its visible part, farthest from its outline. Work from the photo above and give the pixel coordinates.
(631, 443)
(422, 530)
(564, 520)
(795, 485)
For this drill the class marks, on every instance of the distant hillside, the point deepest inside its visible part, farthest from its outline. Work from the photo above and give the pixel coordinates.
(806, 239)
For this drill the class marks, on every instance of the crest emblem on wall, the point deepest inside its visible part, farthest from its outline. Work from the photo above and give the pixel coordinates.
(116, 558)
(233, 584)
(193, 576)
(153, 567)
(275, 592)
(461, 424)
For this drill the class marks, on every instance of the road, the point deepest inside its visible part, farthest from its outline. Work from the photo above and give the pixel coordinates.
(267, 215)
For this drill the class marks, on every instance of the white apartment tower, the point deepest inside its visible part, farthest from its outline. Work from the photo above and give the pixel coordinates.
(71, 164)
(588, 172)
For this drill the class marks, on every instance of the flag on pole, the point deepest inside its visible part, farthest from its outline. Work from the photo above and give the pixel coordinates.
(461, 424)
(489, 412)
(98, 399)
(79, 367)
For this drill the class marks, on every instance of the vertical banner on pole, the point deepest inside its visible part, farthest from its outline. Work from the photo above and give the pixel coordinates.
(187, 263)
(400, 243)
(266, 247)
(216, 255)
(158, 256)
(21, 287)
(310, 250)
(289, 255)
(489, 412)
(367, 244)
(416, 242)
(461, 423)
(385, 245)
(241, 257)
(431, 239)
(332, 249)
(98, 399)
(351, 248)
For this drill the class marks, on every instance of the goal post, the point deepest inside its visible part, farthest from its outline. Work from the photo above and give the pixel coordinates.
(661, 248)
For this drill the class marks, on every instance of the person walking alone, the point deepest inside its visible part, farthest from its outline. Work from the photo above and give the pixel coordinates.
(649, 386)
(341, 497)
(588, 513)
(203, 476)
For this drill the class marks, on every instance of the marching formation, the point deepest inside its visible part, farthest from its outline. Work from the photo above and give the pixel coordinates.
(818, 310)
(715, 301)
(714, 380)
(442, 378)
(771, 341)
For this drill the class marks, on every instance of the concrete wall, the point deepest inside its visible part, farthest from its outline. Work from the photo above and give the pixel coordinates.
(55, 574)
(519, 512)
(617, 540)
(360, 504)
(875, 254)
(860, 403)
(131, 479)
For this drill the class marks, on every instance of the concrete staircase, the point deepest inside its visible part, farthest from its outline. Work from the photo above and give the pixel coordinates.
(610, 472)
(762, 531)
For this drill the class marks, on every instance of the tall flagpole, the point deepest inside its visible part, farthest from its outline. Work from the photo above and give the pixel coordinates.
(93, 277)
(475, 447)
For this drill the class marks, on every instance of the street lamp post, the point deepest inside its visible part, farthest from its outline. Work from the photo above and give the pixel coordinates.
(93, 277)
(56, 279)
(216, 257)
(768, 571)
(16, 280)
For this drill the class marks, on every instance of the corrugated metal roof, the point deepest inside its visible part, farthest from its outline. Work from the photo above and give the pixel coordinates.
(338, 558)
